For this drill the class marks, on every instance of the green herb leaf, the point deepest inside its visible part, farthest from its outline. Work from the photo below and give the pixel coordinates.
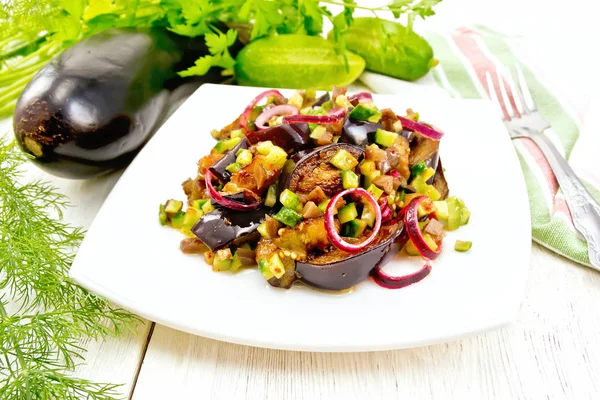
(40, 343)
(218, 46)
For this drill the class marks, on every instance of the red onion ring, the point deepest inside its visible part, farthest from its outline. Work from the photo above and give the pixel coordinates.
(266, 115)
(332, 234)
(360, 97)
(394, 173)
(397, 282)
(422, 129)
(330, 118)
(219, 199)
(246, 114)
(411, 220)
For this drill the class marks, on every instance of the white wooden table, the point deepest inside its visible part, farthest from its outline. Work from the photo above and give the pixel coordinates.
(552, 350)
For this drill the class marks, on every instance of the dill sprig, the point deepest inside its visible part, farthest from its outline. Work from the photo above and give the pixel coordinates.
(39, 343)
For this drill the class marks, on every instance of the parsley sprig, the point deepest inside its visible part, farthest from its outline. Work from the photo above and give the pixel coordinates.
(32, 32)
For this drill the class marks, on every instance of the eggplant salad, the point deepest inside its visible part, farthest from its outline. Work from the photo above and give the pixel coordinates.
(320, 190)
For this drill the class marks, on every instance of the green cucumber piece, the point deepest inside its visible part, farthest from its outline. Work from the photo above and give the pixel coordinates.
(192, 215)
(343, 160)
(453, 213)
(349, 179)
(244, 157)
(375, 191)
(362, 113)
(465, 216)
(354, 228)
(289, 199)
(441, 210)
(277, 156)
(347, 213)
(207, 207)
(162, 215)
(225, 145)
(288, 217)
(463, 246)
(236, 263)
(263, 267)
(323, 205)
(222, 261)
(271, 197)
(177, 220)
(234, 167)
(385, 138)
(172, 207)
(368, 216)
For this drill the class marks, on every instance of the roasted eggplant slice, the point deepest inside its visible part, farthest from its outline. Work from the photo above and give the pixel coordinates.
(313, 169)
(218, 168)
(423, 149)
(338, 270)
(357, 132)
(290, 137)
(439, 181)
(323, 99)
(223, 226)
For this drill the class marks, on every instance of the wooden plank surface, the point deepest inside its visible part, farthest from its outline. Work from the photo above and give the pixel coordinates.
(550, 351)
(114, 360)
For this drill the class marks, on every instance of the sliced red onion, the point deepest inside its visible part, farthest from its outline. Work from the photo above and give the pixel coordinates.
(386, 211)
(283, 109)
(246, 114)
(332, 233)
(330, 118)
(394, 173)
(422, 129)
(397, 282)
(360, 97)
(218, 197)
(411, 220)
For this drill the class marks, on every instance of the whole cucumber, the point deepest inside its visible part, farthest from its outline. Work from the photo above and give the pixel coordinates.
(390, 48)
(93, 107)
(295, 61)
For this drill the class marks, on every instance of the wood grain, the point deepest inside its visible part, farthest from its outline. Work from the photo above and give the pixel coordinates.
(550, 351)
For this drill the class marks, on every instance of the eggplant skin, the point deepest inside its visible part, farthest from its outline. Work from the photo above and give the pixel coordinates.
(342, 273)
(218, 168)
(91, 109)
(223, 226)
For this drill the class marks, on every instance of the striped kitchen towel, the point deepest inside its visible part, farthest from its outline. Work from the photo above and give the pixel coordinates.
(465, 56)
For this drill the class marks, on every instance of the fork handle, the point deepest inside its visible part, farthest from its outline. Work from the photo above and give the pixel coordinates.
(584, 208)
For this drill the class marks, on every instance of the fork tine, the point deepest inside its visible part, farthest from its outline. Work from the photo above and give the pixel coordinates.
(525, 90)
(507, 104)
(516, 93)
(494, 95)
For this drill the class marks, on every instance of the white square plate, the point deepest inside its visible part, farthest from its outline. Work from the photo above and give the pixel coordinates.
(130, 259)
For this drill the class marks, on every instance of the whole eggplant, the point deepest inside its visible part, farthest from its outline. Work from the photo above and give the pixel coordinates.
(92, 108)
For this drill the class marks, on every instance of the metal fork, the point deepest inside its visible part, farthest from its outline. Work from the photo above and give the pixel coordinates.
(527, 122)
